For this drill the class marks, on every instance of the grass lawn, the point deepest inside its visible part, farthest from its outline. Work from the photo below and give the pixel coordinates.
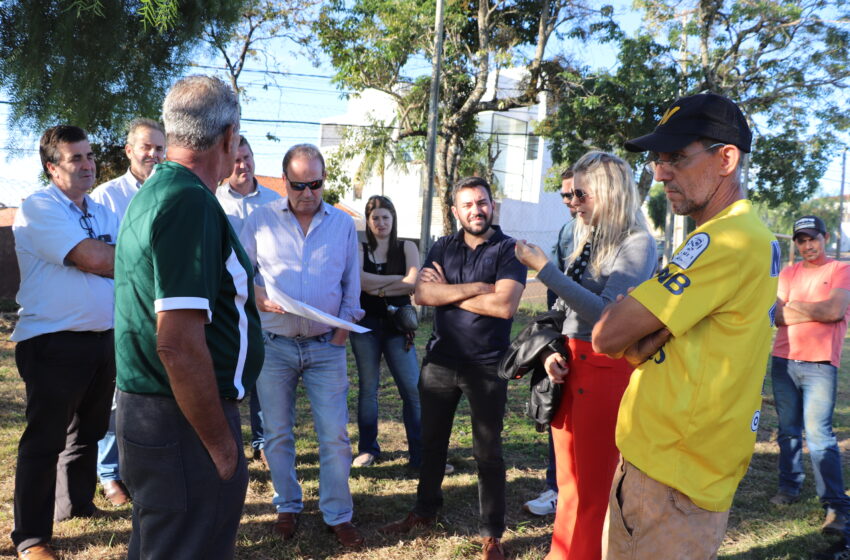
(384, 492)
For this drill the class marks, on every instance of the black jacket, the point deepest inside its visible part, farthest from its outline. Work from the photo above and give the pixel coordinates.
(543, 333)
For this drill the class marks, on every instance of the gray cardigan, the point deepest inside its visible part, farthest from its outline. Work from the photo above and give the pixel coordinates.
(634, 262)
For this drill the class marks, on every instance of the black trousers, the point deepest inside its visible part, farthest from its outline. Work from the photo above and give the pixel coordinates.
(69, 377)
(440, 389)
(181, 507)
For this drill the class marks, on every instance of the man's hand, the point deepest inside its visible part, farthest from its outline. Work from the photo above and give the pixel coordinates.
(225, 459)
(556, 367)
(339, 337)
(530, 255)
(263, 301)
(435, 274)
(640, 351)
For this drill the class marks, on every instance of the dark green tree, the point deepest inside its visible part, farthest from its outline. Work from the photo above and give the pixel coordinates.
(95, 63)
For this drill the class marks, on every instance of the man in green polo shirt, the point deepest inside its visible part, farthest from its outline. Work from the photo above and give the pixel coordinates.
(188, 335)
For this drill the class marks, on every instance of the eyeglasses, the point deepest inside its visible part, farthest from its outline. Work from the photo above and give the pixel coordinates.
(313, 185)
(85, 223)
(675, 160)
(578, 193)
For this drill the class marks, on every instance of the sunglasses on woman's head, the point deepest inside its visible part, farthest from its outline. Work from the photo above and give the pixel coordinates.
(578, 193)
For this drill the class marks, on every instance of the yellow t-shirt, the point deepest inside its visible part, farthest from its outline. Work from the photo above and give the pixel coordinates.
(689, 416)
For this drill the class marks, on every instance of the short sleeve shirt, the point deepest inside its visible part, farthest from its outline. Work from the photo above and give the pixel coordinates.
(812, 341)
(117, 193)
(689, 416)
(176, 250)
(54, 294)
(460, 336)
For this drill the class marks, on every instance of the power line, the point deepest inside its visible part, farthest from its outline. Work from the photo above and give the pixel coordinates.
(258, 71)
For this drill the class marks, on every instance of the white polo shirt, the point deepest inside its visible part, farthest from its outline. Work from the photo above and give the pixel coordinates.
(55, 295)
(238, 207)
(117, 193)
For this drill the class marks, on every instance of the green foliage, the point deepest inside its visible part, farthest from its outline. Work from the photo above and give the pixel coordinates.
(601, 110)
(783, 62)
(381, 45)
(657, 206)
(780, 217)
(98, 69)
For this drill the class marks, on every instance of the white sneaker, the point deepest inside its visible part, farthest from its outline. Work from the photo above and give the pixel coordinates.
(363, 460)
(449, 468)
(544, 504)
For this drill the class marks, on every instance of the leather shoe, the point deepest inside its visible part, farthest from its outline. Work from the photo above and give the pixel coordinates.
(492, 549)
(286, 525)
(116, 492)
(38, 552)
(405, 525)
(347, 534)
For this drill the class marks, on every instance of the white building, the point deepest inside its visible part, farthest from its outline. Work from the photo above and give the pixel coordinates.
(524, 209)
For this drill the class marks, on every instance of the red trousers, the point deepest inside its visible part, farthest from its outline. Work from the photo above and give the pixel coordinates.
(585, 454)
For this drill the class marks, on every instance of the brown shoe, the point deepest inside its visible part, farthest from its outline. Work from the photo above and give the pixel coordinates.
(492, 549)
(38, 552)
(286, 525)
(347, 534)
(405, 525)
(834, 523)
(116, 492)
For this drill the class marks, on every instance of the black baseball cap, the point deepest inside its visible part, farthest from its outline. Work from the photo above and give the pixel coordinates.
(809, 225)
(706, 115)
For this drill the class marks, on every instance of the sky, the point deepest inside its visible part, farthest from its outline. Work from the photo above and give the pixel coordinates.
(305, 95)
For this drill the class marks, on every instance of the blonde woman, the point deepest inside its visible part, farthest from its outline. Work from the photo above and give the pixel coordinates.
(613, 251)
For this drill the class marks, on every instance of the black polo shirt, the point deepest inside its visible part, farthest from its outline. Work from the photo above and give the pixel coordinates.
(461, 336)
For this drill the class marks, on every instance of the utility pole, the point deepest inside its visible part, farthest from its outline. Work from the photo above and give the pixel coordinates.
(431, 149)
(841, 206)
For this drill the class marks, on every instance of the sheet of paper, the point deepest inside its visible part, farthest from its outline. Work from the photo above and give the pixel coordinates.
(302, 309)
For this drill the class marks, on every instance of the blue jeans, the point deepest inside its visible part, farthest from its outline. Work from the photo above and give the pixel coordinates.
(322, 367)
(107, 450)
(805, 398)
(367, 348)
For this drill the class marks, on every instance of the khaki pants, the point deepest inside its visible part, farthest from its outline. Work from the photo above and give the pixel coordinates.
(651, 521)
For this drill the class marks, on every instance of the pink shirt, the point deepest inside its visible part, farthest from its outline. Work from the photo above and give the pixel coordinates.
(812, 341)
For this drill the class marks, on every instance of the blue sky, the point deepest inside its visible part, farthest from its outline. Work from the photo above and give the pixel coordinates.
(305, 95)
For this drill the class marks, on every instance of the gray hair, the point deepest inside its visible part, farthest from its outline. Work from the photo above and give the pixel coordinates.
(302, 150)
(197, 111)
(142, 122)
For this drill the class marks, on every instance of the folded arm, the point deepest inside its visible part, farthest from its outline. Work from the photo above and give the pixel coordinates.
(433, 289)
(628, 329)
(501, 303)
(830, 310)
(393, 284)
(93, 256)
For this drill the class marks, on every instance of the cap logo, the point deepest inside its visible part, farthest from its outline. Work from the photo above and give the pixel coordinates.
(805, 223)
(668, 113)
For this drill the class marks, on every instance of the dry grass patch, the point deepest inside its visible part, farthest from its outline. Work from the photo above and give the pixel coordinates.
(386, 491)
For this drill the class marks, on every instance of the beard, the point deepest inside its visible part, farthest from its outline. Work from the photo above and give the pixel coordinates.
(478, 229)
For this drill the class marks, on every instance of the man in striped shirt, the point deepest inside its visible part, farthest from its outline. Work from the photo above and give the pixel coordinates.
(188, 338)
(307, 250)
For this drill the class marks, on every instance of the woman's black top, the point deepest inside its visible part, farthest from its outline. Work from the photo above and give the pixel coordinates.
(374, 306)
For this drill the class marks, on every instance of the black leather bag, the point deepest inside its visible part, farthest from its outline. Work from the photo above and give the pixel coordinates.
(403, 317)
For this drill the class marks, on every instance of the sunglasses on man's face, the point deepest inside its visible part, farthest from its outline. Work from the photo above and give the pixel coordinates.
(578, 193)
(312, 185)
